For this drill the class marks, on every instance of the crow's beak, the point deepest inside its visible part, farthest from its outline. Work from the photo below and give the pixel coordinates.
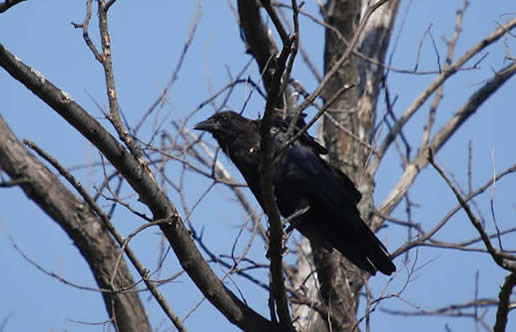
(207, 125)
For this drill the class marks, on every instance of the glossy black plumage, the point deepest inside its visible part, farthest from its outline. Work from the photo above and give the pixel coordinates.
(302, 178)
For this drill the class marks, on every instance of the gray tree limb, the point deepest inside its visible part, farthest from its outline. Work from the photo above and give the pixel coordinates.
(143, 183)
(82, 226)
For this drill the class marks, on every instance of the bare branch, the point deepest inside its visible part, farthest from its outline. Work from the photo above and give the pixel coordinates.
(276, 230)
(442, 136)
(81, 225)
(497, 256)
(144, 184)
(4, 6)
(109, 4)
(453, 310)
(179, 65)
(497, 34)
(276, 20)
(504, 302)
(428, 236)
(114, 112)
(257, 39)
(439, 93)
(123, 243)
(13, 183)
(85, 35)
(338, 64)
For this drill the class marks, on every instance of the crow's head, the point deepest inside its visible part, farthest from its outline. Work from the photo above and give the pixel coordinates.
(228, 127)
(225, 125)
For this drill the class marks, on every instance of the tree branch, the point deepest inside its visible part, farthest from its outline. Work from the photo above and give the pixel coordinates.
(441, 137)
(81, 225)
(258, 40)
(504, 302)
(276, 229)
(143, 183)
(119, 239)
(4, 6)
(452, 69)
(497, 256)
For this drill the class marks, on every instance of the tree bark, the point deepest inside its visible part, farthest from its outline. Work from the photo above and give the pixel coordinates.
(340, 281)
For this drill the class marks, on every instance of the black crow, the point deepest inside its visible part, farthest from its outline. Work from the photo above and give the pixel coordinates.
(302, 179)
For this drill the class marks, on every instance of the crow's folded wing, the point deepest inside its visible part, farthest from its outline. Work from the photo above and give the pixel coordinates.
(333, 215)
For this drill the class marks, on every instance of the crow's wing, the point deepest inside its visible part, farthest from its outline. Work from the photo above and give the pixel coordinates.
(282, 126)
(303, 178)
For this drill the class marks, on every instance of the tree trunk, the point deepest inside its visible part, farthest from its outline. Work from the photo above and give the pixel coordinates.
(339, 280)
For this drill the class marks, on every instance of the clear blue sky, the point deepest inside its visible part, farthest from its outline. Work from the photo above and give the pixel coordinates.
(147, 40)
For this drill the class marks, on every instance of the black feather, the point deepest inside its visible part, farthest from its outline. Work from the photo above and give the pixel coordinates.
(303, 179)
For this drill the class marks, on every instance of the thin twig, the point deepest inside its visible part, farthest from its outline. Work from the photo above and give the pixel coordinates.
(85, 35)
(454, 123)
(114, 110)
(411, 110)
(495, 253)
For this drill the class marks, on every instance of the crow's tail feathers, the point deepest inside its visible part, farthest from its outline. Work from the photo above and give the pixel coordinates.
(370, 258)
(379, 257)
(361, 246)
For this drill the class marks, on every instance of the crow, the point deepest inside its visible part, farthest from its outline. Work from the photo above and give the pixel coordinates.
(302, 181)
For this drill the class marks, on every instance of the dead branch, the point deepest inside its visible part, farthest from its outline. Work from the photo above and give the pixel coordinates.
(144, 184)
